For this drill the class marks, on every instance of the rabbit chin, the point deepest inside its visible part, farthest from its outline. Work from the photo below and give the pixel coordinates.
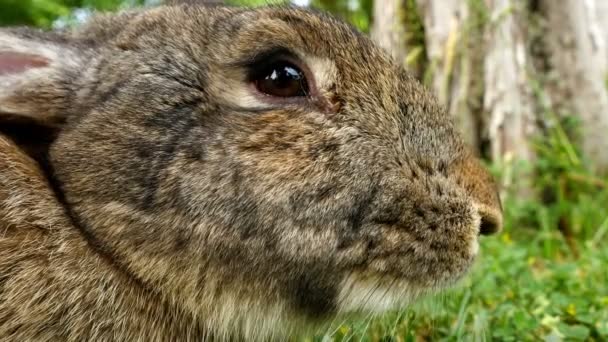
(380, 293)
(375, 295)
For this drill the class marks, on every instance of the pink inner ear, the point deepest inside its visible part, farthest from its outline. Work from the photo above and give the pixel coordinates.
(15, 62)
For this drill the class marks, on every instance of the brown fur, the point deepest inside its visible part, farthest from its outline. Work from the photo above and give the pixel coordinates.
(169, 202)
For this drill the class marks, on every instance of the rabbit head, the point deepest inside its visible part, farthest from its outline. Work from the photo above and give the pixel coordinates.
(266, 164)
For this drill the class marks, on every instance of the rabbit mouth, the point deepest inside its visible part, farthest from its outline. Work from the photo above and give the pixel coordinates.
(404, 263)
(375, 291)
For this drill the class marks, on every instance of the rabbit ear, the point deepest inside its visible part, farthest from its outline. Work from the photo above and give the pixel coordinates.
(37, 70)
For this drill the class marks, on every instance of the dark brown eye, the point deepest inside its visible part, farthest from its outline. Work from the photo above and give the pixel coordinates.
(281, 79)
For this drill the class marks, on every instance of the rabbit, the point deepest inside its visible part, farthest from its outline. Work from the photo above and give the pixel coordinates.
(190, 173)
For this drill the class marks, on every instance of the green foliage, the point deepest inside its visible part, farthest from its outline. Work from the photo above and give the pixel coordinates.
(480, 14)
(43, 13)
(358, 13)
(31, 12)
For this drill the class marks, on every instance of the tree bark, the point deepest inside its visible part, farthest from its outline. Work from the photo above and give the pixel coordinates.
(388, 30)
(454, 57)
(602, 20)
(507, 99)
(577, 52)
(508, 102)
(442, 21)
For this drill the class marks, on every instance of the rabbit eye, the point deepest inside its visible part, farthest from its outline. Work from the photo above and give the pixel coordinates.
(281, 79)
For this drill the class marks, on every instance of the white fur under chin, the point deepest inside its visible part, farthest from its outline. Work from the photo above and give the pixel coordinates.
(373, 295)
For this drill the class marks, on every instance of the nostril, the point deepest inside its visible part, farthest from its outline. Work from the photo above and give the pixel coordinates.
(491, 221)
(488, 227)
(472, 177)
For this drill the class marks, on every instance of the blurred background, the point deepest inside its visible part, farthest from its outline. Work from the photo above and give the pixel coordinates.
(526, 82)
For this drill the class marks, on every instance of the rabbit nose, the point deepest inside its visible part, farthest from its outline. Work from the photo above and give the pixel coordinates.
(480, 185)
(491, 220)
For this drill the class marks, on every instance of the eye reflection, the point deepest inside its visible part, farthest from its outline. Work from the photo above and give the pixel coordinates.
(282, 79)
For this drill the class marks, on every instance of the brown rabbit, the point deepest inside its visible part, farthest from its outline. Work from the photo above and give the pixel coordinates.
(203, 173)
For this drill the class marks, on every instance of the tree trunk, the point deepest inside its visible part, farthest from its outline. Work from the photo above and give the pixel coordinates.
(577, 53)
(453, 51)
(602, 20)
(442, 21)
(508, 102)
(388, 30)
